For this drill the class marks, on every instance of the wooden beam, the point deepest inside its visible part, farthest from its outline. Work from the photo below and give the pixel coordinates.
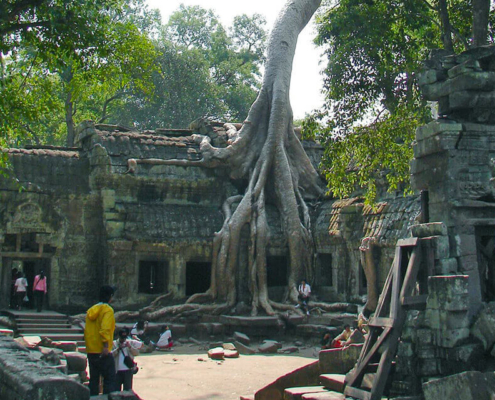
(411, 273)
(357, 393)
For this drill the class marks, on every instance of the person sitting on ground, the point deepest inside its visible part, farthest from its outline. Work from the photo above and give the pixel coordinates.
(139, 332)
(341, 339)
(165, 342)
(304, 294)
(123, 347)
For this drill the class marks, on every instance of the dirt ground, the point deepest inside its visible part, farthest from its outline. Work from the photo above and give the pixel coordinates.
(186, 373)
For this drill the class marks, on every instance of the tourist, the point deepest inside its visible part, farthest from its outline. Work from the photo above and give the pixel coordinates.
(304, 294)
(341, 340)
(165, 342)
(140, 332)
(13, 301)
(20, 285)
(123, 349)
(39, 290)
(98, 335)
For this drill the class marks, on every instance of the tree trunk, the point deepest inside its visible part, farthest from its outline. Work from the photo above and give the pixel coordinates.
(481, 12)
(268, 153)
(69, 120)
(446, 28)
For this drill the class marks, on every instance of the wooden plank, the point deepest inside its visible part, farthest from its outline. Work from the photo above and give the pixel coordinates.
(414, 300)
(356, 376)
(382, 322)
(411, 273)
(396, 284)
(385, 291)
(407, 242)
(357, 393)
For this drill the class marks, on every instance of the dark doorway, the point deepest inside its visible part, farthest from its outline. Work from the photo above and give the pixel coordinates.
(198, 277)
(325, 271)
(152, 276)
(485, 247)
(276, 271)
(363, 281)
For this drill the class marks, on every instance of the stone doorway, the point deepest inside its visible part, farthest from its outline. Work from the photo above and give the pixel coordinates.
(198, 277)
(485, 249)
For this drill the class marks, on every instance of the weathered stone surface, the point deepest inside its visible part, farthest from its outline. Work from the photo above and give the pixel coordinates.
(323, 396)
(448, 293)
(76, 362)
(231, 354)
(289, 350)
(484, 326)
(241, 337)
(471, 385)
(228, 346)
(243, 349)
(217, 353)
(66, 346)
(307, 375)
(23, 377)
(339, 361)
(428, 230)
(296, 392)
(334, 382)
(7, 332)
(124, 395)
(269, 346)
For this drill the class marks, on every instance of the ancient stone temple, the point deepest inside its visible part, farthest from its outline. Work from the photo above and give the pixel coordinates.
(104, 212)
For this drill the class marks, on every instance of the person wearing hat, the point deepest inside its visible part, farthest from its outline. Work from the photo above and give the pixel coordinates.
(98, 335)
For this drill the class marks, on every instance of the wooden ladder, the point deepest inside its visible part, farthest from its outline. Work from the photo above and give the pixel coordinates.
(402, 291)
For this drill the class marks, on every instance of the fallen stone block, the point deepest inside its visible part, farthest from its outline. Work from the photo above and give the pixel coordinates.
(217, 353)
(323, 396)
(212, 345)
(244, 350)
(66, 346)
(231, 354)
(289, 350)
(241, 337)
(471, 385)
(24, 377)
(7, 332)
(31, 341)
(125, 395)
(269, 346)
(76, 361)
(228, 346)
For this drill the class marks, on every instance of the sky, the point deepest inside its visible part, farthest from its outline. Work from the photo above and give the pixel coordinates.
(306, 78)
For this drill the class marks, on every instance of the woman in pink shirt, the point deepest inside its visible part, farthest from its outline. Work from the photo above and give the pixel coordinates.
(39, 290)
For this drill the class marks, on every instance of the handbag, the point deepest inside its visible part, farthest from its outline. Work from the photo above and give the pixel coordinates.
(129, 363)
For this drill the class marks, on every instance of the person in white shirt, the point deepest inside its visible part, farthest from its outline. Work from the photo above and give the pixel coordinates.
(304, 295)
(123, 347)
(165, 342)
(20, 289)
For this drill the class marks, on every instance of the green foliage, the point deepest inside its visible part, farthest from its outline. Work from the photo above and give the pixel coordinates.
(374, 50)
(203, 70)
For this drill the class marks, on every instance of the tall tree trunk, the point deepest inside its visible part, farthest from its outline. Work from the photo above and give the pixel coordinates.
(268, 153)
(481, 12)
(446, 28)
(69, 120)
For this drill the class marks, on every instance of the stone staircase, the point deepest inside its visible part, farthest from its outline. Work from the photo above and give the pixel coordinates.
(321, 380)
(50, 324)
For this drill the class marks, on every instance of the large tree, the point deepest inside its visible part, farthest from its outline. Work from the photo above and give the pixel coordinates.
(374, 50)
(267, 154)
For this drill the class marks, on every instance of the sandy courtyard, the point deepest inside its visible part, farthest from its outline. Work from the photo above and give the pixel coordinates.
(179, 375)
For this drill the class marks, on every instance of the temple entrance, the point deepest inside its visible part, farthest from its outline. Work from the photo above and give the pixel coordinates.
(485, 249)
(198, 277)
(30, 267)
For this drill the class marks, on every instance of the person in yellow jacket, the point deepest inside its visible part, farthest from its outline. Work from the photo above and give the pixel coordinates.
(98, 335)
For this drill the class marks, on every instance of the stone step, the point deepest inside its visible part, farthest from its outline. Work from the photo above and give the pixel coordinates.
(63, 337)
(335, 382)
(323, 396)
(38, 331)
(51, 321)
(43, 326)
(295, 393)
